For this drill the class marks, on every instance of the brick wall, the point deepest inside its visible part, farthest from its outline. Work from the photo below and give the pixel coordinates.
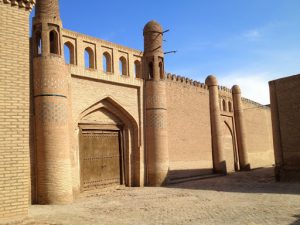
(285, 104)
(258, 135)
(14, 111)
(88, 92)
(189, 130)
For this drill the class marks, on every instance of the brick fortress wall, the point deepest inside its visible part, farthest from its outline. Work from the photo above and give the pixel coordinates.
(259, 133)
(14, 110)
(285, 106)
(188, 124)
(189, 127)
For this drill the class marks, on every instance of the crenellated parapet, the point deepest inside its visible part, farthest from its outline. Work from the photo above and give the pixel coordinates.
(26, 4)
(224, 89)
(185, 80)
(255, 104)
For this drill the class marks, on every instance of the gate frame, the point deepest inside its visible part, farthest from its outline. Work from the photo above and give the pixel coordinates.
(134, 160)
(103, 127)
(233, 135)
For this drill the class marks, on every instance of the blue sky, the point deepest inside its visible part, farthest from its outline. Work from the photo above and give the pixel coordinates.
(245, 42)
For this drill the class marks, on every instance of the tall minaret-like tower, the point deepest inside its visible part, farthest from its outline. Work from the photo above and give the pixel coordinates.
(51, 106)
(157, 155)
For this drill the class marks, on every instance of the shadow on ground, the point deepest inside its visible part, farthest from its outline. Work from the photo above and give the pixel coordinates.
(297, 222)
(255, 181)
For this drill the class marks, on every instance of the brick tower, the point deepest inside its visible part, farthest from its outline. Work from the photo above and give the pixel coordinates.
(14, 109)
(156, 106)
(51, 107)
(240, 128)
(219, 163)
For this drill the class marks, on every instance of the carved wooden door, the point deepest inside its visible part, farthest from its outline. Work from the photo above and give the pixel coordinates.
(100, 159)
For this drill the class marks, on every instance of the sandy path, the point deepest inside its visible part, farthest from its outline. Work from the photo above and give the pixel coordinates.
(240, 198)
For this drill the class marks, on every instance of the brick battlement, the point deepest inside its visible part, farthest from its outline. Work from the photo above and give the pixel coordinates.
(225, 89)
(185, 80)
(258, 105)
(27, 4)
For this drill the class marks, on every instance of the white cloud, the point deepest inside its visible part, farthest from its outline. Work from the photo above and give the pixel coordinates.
(252, 34)
(253, 86)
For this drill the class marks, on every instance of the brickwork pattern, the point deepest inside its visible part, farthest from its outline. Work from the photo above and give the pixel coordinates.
(14, 110)
(88, 92)
(285, 102)
(188, 124)
(48, 8)
(258, 128)
(80, 42)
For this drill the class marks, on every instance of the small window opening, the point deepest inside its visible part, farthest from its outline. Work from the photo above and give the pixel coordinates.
(137, 69)
(229, 106)
(89, 58)
(161, 71)
(224, 105)
(107, 62)
(54, 42)
(69, 53)
(38, 39)
(150, 70)
(123, 66)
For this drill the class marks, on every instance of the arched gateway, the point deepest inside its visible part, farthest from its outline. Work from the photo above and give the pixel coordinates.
(108, 146)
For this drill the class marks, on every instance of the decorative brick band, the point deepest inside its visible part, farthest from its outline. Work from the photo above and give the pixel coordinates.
(27, 4)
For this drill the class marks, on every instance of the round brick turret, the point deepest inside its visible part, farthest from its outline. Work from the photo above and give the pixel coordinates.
(153, 38)
(49, 9)
(153, 58)
(51, 106)
(240, 128)
(216, 129)
(156, 106)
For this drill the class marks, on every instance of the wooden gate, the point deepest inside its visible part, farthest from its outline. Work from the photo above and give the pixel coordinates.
(100, 159)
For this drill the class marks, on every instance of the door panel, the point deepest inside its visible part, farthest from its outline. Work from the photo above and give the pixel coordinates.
(100, 159)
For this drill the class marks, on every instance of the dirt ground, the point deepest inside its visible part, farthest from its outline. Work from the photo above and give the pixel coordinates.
(239, 198)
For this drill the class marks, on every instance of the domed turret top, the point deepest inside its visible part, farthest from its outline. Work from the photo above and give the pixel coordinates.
(211, 80)
(153, 26)
(236, 89)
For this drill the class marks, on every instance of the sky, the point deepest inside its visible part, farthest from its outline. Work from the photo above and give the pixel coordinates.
(245, 42)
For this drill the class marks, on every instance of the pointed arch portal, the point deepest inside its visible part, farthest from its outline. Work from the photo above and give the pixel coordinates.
(108, 146)
(230, 154)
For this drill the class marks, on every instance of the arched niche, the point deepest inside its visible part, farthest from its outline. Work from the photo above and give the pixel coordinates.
(107, 62)
(123, 66)
(69, 51)
(89, 58)
(54, 42)
(229, 150)
(109, 108)
(137, 69)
